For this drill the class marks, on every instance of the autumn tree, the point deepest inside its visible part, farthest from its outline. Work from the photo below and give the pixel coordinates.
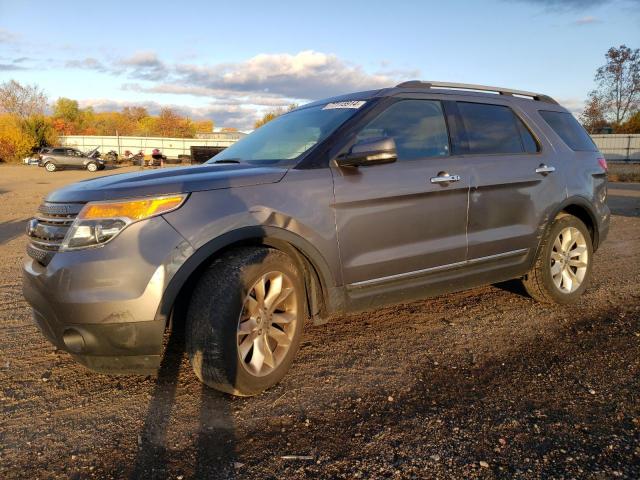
(135, 113)
(14, 144)
(267, 117)
(618, 90)
(593, 117)
(630, 126)
(21, 100)
(170, 124)
(40, 130)
(204, 126)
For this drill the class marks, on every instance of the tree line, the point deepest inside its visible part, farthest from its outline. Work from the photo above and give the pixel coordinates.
(28, 122)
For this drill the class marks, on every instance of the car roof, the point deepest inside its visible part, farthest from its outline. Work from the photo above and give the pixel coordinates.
(447, 88)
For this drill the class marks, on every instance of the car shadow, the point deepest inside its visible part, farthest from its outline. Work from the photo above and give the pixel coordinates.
(513, 286)
(215, 443)
(12, 229)
(623, 204)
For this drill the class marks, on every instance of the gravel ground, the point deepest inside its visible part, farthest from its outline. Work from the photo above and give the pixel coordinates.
(484, 383)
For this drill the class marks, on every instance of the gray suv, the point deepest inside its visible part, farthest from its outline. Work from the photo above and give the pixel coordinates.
(341, 205)
(57, 158)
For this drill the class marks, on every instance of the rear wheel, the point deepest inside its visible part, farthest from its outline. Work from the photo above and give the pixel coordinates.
(245, 320)
(92, 166)
(563, 267)
(50, 167)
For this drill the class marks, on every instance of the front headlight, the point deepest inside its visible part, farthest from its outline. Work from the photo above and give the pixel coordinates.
(99, 222)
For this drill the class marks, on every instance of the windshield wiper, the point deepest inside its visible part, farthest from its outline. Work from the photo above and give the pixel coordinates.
(228, 160)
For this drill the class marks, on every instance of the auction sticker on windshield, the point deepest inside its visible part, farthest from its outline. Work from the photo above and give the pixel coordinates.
(349, 104)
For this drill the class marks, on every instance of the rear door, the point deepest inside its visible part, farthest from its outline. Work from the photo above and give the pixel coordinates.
(392, 221)
(59, 156)
(515, 181)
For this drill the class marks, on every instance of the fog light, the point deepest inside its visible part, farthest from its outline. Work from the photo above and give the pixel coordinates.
(73, 340)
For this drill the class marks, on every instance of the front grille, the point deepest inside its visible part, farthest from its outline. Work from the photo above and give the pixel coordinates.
(48, 228)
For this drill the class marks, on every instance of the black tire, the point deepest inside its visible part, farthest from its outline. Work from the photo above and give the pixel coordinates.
(50, 167)
(213, 317)
(539, 281)
(92, 167)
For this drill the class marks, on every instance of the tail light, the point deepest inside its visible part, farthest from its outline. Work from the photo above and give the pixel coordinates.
(603, 163)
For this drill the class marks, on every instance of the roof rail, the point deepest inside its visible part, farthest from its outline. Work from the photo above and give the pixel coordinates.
(480, 88)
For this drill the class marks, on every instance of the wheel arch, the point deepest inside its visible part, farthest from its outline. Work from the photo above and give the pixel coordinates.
(580, 208)
(316, 273)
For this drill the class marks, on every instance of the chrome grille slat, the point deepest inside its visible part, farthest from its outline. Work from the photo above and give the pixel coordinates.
(55, 220)
(44, 244)
(48, 228)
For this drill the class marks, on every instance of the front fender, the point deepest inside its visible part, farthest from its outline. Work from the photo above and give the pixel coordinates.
(259, 234)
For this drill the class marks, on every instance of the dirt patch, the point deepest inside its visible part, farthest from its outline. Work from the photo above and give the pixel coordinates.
(485, 383)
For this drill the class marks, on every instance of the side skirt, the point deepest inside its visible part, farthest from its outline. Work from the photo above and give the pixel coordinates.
(434, 281)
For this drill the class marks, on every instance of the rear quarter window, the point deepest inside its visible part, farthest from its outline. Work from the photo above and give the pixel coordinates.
(569, 130)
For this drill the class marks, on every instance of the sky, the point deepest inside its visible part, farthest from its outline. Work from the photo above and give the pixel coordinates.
(233, 61)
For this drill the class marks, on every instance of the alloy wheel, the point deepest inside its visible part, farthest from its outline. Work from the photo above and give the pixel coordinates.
(267, 323)
(569, 260)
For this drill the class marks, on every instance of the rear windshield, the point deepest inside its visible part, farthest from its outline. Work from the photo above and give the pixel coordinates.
(569, 130)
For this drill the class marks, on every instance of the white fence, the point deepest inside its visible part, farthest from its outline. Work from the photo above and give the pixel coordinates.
(619, 147)
(171, 147)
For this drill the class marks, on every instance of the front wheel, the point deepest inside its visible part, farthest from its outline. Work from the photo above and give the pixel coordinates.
(563, 268)
(92, 167)
(245, 320)
(50, 167)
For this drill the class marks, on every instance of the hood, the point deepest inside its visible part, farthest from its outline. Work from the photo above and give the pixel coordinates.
(167, 181)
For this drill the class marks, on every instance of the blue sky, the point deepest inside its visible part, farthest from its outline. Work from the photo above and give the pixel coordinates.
(231, 61)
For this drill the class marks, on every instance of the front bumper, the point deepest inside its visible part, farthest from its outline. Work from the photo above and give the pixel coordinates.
(131, 347)
(101, 305)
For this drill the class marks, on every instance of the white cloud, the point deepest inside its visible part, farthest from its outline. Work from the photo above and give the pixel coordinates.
(7, 36)
(307, 74)
(224, 115)
(144, 65)
(586, 20)
(573, 104)
(238, 93)
(575, 5)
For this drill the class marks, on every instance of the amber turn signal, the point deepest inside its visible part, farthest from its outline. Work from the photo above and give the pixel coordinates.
(132, 209)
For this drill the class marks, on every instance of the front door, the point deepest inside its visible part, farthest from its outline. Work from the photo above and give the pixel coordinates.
(74, 158)
(400, 220)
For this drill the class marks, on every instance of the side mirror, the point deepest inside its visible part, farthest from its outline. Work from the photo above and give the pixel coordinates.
(372, 151)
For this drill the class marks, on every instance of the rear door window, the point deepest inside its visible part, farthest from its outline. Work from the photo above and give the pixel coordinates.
(417, 126)
(495, 129)
(569, 130)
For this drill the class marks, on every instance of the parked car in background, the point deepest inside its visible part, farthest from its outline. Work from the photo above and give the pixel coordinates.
(31, 160)
(56, 158)
(340, 205)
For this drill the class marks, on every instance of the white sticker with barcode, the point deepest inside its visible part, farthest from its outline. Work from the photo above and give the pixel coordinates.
(350, 104)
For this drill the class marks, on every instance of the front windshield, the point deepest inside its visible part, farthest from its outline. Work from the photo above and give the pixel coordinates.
(288, 136)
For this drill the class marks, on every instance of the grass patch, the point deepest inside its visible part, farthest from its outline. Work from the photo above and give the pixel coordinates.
(624, 172)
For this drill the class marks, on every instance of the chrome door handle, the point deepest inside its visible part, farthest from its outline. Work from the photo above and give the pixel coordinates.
(445, 178)
(544, 169)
